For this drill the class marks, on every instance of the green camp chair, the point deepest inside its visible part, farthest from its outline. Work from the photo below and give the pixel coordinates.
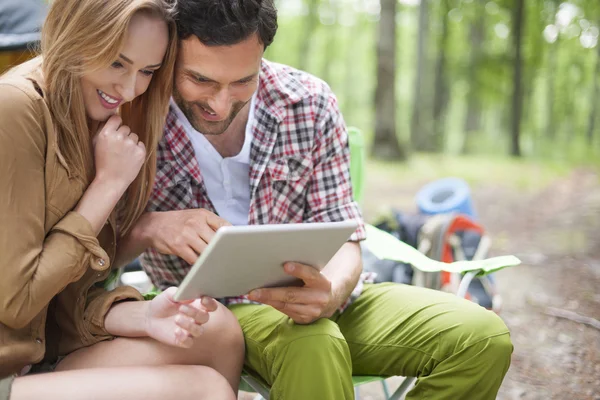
(386, 247)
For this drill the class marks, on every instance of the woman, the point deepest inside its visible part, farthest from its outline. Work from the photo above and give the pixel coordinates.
(74, 178)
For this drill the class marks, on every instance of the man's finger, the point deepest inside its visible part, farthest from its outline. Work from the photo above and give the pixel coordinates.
(188, 254)
(311, 276)
(206, 233)
(216, 222)
(196, 243)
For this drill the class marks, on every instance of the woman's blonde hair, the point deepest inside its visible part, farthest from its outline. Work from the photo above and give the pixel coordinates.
(80, 36)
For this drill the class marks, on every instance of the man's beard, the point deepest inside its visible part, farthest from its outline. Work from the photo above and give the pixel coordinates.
(191, 109)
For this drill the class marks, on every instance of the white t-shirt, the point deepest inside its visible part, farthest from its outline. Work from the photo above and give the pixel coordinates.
(227, 180)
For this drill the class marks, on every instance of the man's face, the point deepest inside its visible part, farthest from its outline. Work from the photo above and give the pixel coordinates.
(212, 84)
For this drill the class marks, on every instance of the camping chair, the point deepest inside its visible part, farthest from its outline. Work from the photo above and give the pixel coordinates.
(386, 247)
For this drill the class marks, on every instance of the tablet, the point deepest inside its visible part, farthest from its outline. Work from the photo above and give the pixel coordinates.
(241, 258)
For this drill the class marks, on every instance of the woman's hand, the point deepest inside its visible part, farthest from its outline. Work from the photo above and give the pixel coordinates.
(177, 324)
(118, 153)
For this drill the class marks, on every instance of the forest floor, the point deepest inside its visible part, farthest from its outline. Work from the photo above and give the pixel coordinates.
(550, 218)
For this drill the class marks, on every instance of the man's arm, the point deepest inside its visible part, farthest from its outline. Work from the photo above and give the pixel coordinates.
(184, 233)
(343, 271)
(329, 198)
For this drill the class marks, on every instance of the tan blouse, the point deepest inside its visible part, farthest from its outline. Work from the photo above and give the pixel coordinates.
(51, 262)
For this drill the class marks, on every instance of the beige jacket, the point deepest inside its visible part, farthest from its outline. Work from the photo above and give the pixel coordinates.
(51, 262)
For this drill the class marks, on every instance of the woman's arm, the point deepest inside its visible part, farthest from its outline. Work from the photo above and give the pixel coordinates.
(35, 267)
(163, 319)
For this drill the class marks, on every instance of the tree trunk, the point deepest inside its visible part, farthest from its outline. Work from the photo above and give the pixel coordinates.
(385, 144)
(517, 100)
(473, 118)
(595, 97)
(440, 101)
(551, 78)
(418, 135)
(311, 23)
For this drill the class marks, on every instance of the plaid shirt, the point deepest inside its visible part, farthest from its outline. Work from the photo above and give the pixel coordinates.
(299, 166)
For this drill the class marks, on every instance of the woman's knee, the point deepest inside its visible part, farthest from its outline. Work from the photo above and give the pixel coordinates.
(224, 333)
(195, 382)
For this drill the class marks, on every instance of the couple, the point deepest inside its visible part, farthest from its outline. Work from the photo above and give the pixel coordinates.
(98, 165)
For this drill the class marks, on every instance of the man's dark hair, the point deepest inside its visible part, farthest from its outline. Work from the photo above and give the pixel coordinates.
(226, 22)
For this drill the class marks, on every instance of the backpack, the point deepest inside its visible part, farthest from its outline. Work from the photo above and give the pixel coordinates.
(444, 237)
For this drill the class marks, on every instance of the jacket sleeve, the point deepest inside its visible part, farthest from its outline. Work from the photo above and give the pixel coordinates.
(99, 302)
(34, 266)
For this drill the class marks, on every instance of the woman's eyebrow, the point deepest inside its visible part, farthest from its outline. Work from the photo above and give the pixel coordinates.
(131, 62)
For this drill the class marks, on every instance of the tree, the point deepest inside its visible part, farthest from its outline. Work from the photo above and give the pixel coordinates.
(418, 135)
(517, 99)
(476, 35)
(441, 91)
(311, 22)
(385, 144)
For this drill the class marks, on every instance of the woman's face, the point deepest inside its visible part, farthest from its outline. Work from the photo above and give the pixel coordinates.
(104, 90)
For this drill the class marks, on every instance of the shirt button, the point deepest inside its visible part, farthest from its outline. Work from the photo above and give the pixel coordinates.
(98, 274)
(101, 262)
(38, 341)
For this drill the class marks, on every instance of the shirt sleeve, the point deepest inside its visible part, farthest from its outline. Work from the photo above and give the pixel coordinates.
(35, 266)
(329, 197)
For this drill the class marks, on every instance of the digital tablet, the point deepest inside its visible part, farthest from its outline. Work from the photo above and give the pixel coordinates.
(241, 258)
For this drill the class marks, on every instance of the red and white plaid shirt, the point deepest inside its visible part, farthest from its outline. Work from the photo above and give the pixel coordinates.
(299, 166)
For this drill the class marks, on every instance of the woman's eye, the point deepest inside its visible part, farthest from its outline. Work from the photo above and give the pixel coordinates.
(117, 64)
(148, 72)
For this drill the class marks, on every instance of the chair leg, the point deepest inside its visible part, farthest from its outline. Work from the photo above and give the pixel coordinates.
(401, 391)
(386, 389)
(465, 282)
(263, 392)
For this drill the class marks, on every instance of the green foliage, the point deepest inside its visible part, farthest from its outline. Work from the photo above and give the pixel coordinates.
(557, 76)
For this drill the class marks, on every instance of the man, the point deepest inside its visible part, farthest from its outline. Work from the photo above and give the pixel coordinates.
(248, 141)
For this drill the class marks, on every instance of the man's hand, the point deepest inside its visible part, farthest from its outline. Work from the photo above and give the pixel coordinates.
(305, 304)
(183, 233)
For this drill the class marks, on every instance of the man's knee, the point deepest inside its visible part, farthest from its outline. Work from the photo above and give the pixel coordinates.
(480, 326)
(316, 346)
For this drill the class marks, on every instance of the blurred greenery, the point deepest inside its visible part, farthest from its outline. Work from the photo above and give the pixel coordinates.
(337, 41)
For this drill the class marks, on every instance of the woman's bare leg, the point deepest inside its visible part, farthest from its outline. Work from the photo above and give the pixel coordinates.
(125, 383)
(220, 347)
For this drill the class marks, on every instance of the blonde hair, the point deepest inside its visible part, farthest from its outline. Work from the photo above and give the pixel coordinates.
(79, 36)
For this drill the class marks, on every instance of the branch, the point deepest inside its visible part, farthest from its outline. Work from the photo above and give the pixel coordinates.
(572, 316)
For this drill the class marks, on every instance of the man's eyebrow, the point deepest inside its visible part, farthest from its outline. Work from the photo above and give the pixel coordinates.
(198, 75)
(131, 62)
(247, 78)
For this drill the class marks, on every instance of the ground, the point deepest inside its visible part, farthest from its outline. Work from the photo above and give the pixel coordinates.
(550, 218)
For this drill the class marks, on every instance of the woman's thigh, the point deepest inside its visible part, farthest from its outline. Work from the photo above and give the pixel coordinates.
(148, 383)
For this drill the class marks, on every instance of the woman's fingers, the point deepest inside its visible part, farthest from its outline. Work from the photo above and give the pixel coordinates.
(183, 338)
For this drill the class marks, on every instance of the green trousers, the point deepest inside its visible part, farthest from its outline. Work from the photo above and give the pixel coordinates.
(457, 349)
